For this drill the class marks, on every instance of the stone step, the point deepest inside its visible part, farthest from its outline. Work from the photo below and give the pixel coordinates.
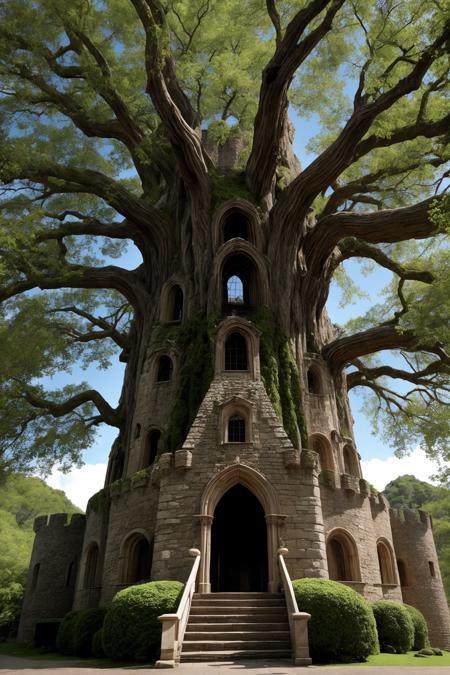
(234, 655)
(238, 610)
(238, 602)
(237, 595)
(228, 645)
(236, 634)
(251, 626)
(247, 617)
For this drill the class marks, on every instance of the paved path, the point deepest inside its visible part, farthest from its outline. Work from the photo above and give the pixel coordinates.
(10, 665)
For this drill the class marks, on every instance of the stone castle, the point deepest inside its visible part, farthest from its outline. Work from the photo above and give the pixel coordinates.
(237, 489)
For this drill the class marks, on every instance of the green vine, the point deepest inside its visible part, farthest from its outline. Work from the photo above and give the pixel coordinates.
(281, 379)
(193, 339)
(231, 186)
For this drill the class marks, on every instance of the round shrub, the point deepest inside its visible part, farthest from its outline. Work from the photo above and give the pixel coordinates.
(131, 629)
(394, 625)
(342, 627)
(97, 646)
(66, 633)
(87, 622)
(420, 628)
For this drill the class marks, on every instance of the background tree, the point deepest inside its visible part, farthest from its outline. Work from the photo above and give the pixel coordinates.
(112, 118)
(21, 500)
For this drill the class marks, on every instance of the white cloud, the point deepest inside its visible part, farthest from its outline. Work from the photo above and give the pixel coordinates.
(80, 484)
(379, 472)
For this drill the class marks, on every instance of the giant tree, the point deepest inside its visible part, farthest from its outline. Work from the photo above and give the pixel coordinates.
(116, 119)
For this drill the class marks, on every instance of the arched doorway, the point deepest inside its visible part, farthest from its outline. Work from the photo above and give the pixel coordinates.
(239, 543)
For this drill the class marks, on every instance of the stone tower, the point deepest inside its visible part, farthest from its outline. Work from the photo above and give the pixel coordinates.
(240, 484)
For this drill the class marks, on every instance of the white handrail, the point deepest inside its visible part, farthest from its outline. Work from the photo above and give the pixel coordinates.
(174, 625)
(298, 621)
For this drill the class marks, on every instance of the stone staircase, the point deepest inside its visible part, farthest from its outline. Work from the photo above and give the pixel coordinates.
(225, 626)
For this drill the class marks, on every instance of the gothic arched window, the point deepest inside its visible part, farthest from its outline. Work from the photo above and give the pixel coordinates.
(236, 225)
(176, 303)
(235, 291)
(90, 570)
(137, 559)
(314, 381)
(342, 558)
(152, 448)
(236, 352)
(165, 368)
(386, 563)
(236, 429)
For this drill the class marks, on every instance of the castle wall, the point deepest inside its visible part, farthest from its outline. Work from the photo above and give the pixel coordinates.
(184, 479)
(53, 570)
(366, 519)
(414, 546)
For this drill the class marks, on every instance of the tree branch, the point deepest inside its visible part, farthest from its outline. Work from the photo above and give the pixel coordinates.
(324, 170)
(271, 117)
(108, 414)
(76, 276)
(355, 248)
(109, 330)
(345, 350)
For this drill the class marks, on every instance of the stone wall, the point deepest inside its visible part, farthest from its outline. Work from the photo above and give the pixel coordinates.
(414, 545)
(53, 570)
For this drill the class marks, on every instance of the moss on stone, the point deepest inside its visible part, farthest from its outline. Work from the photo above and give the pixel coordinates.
(196, 371)
(281, 378)
(99, 502)
(231, 186)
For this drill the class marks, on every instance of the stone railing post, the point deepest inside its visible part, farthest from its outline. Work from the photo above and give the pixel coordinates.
(298, 621)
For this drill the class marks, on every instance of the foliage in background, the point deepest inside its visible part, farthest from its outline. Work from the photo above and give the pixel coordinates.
(22, 498)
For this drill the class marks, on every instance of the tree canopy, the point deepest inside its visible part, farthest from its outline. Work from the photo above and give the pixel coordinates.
(111, 114)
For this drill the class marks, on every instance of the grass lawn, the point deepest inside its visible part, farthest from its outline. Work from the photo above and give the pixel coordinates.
(405, 660)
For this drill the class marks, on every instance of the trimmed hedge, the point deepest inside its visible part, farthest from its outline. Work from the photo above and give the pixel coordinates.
(342, 626)
(66, 632)
(87, 623)
(77, 629)
(420, 628)
(131, 629)
(97, 646)
(395, 626)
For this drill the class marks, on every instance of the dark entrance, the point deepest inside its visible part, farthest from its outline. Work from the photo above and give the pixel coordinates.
(239, 543)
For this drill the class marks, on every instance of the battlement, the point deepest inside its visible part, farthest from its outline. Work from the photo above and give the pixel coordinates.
(410, 517)
(58, 521)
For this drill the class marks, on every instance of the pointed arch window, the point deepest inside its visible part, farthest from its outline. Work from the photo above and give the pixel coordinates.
(236, 357)
(176, 304)
(350, 462)
(342, 558)
(314, 381)
(236, 225)
(235, 290)
(90, 572)
(323, 449)
(236, 429)
(402, 573)
(386, 563)
(165, 368)
(137, 559)
(35, 576)
(153, 440)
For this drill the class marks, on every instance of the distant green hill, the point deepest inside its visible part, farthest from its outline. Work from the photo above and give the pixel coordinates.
(408, 491)
(21, 499)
